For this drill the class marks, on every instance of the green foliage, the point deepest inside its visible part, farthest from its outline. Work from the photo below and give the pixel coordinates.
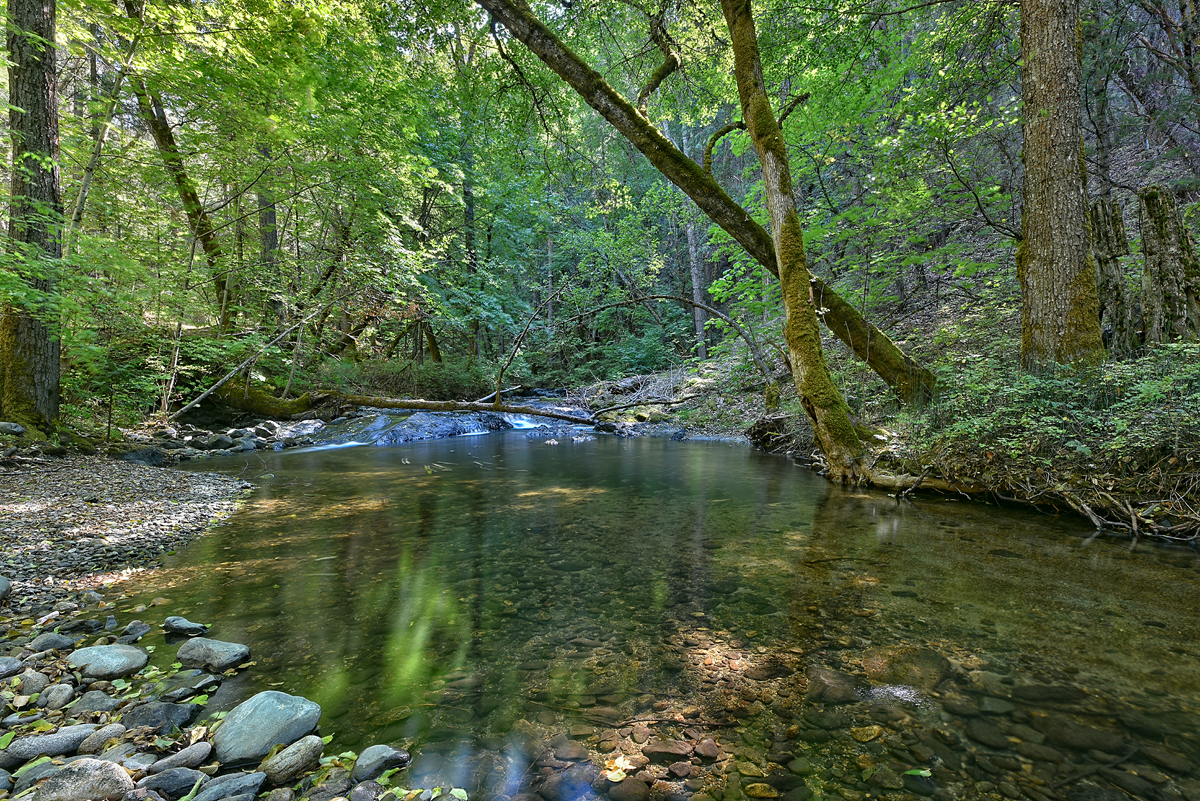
(453, 379)
(1119, 418)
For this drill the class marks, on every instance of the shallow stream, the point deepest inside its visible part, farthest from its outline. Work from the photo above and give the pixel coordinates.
(453, 594)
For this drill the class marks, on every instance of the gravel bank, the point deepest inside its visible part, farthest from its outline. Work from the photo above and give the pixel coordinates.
(69, 525)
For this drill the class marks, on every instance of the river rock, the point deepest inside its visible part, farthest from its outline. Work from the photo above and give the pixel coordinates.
(367, 791)
(109, 661)
(1166, 759)
(904, 664)
(1041, 693)
(96, 701)
(374, 760)
(832, 686)
(262, 721)
(33, 682)
(666, 751)
(56, 696)
(173, 783)
(10, 666)
(51, 639)
(162, 717)
(629, 789)
(95, 741)
(291, 762)
(190, 757)
(571, 751)
(34, 776)
(181, 625)
(86, 779)
(1061, 731)
(987, 733)
(134, 632)
(708, 748)
(214, 443)
(573, 784)
(213, 655)
(232, 785)
(15, 429)
(63, 741)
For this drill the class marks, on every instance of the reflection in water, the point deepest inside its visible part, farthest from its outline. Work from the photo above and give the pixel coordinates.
(447, 594)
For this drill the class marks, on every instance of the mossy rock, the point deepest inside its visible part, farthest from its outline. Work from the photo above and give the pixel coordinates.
(259, 401)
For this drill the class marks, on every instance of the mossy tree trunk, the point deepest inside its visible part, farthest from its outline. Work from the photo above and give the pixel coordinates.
(1109, 244)
(823, 403)
(1060, 320)
(29, 344)
(908, 379)
(1171, 278)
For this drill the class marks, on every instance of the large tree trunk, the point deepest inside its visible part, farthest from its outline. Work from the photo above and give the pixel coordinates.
(699, 316)
(201, 224)
(911, 382)
(1060, 320)
(827, 411)
(1109, 243)
(1171, 280)
(29, 344)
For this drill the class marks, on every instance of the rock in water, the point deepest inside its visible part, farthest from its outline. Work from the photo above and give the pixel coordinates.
(86, 779)
(59, 642)
(903, 664)
(629, 789)
(832, 686)
(262, 721)
(213, 655)
(181, 625)
(296, 759)
(375, 760)
(162, 717)
(109, 661)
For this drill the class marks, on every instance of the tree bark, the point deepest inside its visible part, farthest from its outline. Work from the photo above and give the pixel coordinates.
(1060, 320)
(151, 108)
(1171, 280)
(29, 343)
(1109, 243)
(699, 315)
(822, 402)
(910, 381)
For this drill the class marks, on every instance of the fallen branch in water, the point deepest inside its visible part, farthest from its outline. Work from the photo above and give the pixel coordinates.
(416, 404)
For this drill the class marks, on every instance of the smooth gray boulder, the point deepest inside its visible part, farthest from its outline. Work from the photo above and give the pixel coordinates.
(63, 741)
(56, 696)
(51, 639)
(376, 759)
(86, 779)
(94, 744)
(33, 682)
(293, 761)
(109, 661)
(234, 784)
(190, 757)
(163, 718)
(173, 783)
(96, 701)
(181, 625)
(262, 721)
(213, 655)
(10, 666)
(5, 588)
(16, 429)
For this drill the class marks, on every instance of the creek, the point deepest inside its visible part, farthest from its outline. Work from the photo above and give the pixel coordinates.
(450, 595)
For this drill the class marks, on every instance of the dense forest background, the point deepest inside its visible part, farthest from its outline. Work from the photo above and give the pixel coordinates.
(367, 197)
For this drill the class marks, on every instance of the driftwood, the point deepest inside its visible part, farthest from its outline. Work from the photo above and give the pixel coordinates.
(416, 404)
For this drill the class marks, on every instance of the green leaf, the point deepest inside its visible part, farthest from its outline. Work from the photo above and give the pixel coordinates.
(6, 739)
(918, 772)
(25, 768)
(459, 793)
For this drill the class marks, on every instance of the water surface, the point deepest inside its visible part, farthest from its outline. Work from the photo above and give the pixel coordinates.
(435, 594)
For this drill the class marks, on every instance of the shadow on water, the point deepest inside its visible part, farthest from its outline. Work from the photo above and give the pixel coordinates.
(461, 595)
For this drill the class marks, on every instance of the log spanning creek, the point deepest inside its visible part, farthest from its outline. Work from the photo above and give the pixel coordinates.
(526, 616)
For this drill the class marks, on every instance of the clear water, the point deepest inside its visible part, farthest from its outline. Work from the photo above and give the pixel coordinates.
(435, 594)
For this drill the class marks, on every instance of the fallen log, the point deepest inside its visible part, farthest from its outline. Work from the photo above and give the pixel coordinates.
(416, 404)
